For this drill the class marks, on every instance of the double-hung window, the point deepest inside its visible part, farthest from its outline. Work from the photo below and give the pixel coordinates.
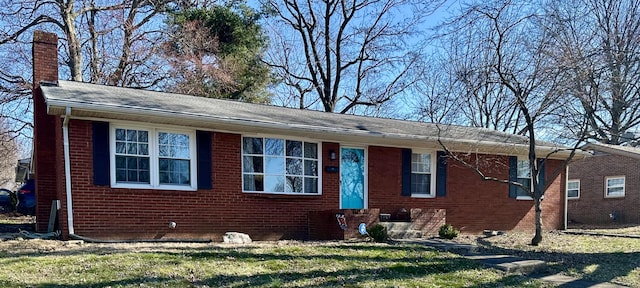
(152, 158)
(280, 166)
(614, 186)
(573, 189)
(422, 173)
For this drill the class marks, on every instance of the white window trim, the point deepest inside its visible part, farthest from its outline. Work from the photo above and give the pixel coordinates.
(320, 170)
(573, 181)
(606, 187)
(153, 157)
(432, 181)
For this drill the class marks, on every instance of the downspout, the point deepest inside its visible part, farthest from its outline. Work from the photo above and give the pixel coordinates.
(67, 173)
(566, 197)
(67, 169)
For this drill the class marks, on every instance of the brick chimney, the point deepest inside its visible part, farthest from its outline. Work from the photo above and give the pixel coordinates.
(45, 57)
(47, 132)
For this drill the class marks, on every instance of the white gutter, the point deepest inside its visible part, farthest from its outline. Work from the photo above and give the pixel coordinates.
(67, 169)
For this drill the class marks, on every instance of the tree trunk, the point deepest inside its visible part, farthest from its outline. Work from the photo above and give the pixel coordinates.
(538, 237)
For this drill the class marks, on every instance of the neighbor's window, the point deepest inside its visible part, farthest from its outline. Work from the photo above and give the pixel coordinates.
(153, 158)
(275, 165)
(573, 189)
(614, 186)
(421, 174)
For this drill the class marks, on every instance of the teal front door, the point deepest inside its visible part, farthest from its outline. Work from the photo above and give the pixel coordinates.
(352, 178)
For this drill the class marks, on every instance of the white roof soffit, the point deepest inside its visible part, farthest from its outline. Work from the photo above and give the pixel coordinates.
(110, 103)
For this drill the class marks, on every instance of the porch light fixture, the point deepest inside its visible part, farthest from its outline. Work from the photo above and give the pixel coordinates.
(332, 155)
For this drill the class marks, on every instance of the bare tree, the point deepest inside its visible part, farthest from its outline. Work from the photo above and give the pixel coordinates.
(510, 65)
(347, 55)
(9, 159)
(597, 42)
(108, 42)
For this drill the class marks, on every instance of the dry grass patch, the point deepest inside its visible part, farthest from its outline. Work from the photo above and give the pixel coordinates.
(596, 258)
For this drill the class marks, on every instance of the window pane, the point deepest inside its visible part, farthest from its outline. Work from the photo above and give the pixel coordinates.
(274, 165)
(615, 190)
(121, 175)
(253, 182)
(421, 162)
(252, 164)
(132, 135)
(294, 166)
(143, 163)
(163, 138)
(120, 134)
(274, 147)
(615, 181)
(143, 149)
(174, 145)
(252, 145)
(294, 184)
(132, 176)
(174, 171)
(420, 184)
(572, 185)
(132, 163)
(294, 148)
(523, 169)
(572, 193)
(121, 147)
(310, 185)
(274, 183)
(310, 150)
(143, 136)
(132, 169)
(121, 162)
(311, 167)
(132, 148)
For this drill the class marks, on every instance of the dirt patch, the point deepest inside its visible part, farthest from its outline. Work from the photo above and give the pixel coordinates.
(15, 222)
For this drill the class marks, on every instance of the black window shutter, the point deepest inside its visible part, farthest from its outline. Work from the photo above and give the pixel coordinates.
(406, 172)
(101, 157)
(441, 174)
(513, 176)
(203, 142)
(542, 173)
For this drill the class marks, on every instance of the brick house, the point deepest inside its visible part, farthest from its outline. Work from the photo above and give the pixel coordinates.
(605, 188)
(124, 163)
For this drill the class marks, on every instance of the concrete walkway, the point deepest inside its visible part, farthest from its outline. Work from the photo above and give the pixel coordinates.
(508, 263)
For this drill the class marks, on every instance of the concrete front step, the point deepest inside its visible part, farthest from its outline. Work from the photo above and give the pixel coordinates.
(401, 230)
(404, 234)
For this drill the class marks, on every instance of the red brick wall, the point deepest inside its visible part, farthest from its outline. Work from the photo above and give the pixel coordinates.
(102, 212)
(471, 203)
(592, 207)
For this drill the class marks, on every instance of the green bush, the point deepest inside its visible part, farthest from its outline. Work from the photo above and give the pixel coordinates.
(378, 233)
(447, 231)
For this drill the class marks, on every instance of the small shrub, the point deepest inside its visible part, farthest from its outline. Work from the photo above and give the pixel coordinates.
(447, 231)
(378, 233)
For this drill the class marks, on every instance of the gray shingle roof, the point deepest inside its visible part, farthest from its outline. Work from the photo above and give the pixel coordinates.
(627, 151)
(107, 102)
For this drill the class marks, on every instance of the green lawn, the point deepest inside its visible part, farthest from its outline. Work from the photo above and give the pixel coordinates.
(38, 263)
